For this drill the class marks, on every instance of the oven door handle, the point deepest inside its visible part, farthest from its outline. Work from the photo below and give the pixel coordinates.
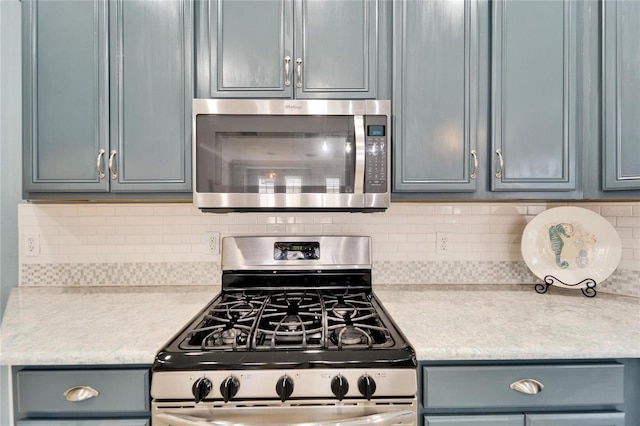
(388, 418)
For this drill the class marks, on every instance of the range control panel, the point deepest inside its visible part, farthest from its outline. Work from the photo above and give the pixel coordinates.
(376, 135)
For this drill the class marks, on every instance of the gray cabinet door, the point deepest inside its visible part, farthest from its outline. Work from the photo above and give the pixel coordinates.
(242, 46)
(621, 95)
(65, 95)
(575, 419)
(533, 95)
(335, 49)
(435, 96)
(151, 93)
(253, 55)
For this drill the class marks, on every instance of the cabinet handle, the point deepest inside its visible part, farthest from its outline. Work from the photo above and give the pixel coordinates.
(287, 80)
(474, 172)
(112, 170)
(299, 73)
(527, 386)
(99, 163)
(501, 167)
(80, 393)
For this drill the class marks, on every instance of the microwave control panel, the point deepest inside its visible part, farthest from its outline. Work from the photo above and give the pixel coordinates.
(376, 134)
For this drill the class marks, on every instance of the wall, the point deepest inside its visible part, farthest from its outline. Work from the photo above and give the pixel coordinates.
(161, 244)
(10, 166)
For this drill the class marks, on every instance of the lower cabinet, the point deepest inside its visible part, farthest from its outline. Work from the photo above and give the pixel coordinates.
(90, 396)
(536, 393)
(554, 419)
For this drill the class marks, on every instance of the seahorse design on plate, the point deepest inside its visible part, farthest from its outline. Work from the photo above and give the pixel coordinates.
(555, 232)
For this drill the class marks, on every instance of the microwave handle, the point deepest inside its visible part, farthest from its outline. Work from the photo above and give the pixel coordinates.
(389, 418)
(358, 185)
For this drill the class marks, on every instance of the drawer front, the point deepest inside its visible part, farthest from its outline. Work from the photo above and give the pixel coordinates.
(575, 419)
(488, 386)
(119, 391)
(79, 422)
(473, 420)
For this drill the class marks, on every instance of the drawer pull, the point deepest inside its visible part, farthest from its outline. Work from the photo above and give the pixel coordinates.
(80, 393)
(527, 386)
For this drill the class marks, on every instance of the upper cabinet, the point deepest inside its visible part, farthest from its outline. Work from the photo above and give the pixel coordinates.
(287, 48)
(435, 97)
(533, 100)
(107, 98)
(486, 100)
(621, 96)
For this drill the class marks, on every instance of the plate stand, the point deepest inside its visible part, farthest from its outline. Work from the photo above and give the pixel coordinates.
(589, 290)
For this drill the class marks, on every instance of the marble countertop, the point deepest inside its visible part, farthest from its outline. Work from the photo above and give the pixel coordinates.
(127, 325)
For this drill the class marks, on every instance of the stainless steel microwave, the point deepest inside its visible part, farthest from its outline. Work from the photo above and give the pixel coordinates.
(299, 155)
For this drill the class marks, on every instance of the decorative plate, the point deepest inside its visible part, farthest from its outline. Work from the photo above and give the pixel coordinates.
(571, 244)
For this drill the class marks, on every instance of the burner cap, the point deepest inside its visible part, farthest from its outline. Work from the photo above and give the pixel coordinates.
(291, 322)
(229, 336)
(350, 335)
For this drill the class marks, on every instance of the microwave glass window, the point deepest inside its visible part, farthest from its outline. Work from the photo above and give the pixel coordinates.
(275, 154)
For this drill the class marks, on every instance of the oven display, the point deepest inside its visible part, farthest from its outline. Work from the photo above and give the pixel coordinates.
(375, 130)
(292, 251)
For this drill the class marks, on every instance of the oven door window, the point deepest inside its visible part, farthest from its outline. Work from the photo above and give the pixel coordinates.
(275, 154)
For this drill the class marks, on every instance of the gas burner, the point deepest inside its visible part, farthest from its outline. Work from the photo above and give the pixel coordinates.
(350, 335)
(291, 322)
(228, 336)
(344, 309)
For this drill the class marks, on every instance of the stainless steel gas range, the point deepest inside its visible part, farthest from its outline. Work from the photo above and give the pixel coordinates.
(295, 337)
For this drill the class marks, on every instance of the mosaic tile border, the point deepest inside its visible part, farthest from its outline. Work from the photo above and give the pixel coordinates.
(624, 282)
(119, 274)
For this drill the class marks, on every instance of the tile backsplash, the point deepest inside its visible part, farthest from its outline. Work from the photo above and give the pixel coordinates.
(166, 244)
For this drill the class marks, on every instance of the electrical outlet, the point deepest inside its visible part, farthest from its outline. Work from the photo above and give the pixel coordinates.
(31, 245)
(443, 243)
(212, 242)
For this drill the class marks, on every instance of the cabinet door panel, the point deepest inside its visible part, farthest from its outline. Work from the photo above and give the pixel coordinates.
(151, 95)
(621, 73)
(576, 419)
(65, 95)
(248, 50)
(336, 41)
(435, 99)
(533, 100)
(479, 420)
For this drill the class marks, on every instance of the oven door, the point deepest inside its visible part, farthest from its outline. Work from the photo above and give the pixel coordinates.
(316, 413)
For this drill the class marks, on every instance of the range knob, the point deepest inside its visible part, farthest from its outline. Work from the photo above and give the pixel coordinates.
(339, 386)
(284, 387)
(201, 388)
(366, 386)
(229, 388)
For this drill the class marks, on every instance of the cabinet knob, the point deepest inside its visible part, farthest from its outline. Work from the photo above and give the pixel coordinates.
(80, 393)
(527, 386)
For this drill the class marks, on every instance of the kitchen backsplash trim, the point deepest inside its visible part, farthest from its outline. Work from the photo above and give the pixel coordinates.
(165, 244)
(385, 273)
